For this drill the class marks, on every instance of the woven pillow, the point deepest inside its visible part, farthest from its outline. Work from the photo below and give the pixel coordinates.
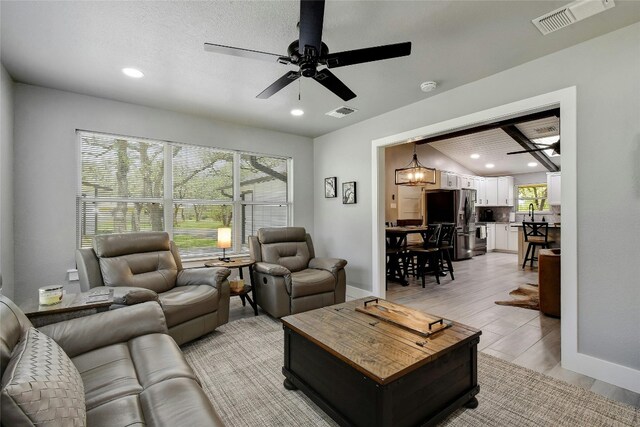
(41, 385)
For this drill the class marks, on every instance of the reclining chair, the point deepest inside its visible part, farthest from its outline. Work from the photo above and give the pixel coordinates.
(287, 276)
(147, 267)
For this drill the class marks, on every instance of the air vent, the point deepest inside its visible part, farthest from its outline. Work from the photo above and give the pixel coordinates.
(569, 14)
(340, 112)
(546, 129)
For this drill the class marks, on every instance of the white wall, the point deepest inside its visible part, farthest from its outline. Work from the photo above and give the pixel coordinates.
(605, 71)
(46, 168)
(6, 184)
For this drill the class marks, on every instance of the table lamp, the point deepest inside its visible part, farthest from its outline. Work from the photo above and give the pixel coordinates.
(224, 242)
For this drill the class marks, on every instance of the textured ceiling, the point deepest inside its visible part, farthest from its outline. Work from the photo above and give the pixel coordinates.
(81, 47)
(493, 146)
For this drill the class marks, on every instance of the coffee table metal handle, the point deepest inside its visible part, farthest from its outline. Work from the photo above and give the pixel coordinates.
(436, 322)
(373, 300)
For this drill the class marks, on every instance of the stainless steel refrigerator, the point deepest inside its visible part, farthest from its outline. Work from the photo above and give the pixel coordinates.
(458, 207)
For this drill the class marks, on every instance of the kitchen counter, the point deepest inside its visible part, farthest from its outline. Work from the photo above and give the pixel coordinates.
(551, 224)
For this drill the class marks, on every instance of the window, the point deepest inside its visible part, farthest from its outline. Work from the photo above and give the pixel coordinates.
(532, 193)
(132, 184)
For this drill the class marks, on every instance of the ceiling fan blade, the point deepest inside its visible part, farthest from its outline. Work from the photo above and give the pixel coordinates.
(245, 53)
(279, 84)
(369, 54)
(327, 79)
(529, 151)
(311, 18)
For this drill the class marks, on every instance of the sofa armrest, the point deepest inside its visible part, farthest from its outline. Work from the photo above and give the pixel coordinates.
(77, 336)
(213, 276)
(332, 265)
(271, 269)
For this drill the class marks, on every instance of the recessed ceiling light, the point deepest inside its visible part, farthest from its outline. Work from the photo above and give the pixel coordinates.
(297, 112)
(475, 156)
(133, 73)
(532, 164)
(489, 165)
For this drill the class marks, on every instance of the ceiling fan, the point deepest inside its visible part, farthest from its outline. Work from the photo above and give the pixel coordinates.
(555, 147)
(308, 52)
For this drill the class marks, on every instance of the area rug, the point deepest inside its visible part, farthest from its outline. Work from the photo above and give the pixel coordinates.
(526, 296)
(240, 369)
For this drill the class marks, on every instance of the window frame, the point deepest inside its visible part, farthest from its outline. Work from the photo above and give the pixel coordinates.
(168, 199)
(532, 184)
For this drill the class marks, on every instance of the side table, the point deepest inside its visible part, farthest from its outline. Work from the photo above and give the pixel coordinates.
(240, 263)
(71, 306)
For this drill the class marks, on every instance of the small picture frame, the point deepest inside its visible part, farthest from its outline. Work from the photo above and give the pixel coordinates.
(330, 185)
(349, 193)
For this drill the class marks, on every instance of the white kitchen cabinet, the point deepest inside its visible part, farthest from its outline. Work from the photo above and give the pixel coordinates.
(467, 181)
(491, 191)
(553, 188)
(480, 187)
(449, 180)
(491, 237)
(502, 236)
(512, 244)
(505, 191)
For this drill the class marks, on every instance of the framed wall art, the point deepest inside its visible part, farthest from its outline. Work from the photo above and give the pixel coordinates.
(330, 185)
(349, 193)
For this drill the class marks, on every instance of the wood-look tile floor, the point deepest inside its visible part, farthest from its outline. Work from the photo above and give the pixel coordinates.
(522, 336)
(519, 335)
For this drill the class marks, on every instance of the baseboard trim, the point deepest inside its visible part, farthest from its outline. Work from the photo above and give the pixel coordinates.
(612, 373)
(355, 293)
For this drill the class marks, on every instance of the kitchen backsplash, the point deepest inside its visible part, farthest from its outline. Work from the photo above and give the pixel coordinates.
(501, 214)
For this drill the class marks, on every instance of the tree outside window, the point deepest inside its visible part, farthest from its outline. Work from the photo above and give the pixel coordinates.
(532, 193)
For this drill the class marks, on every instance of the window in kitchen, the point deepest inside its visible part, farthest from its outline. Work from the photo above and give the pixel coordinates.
(532, 193)
(133, 184)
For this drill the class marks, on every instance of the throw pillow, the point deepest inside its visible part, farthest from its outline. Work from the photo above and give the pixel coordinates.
(41, 385)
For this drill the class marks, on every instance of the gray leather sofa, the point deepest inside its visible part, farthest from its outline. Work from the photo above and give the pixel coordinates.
(288, 277)
(118, 368)
(146, 267)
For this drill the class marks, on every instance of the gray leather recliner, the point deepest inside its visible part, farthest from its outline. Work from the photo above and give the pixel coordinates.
(288, 277)
(146, 267)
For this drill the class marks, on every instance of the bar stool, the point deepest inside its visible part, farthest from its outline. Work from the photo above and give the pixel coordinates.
(535, 234)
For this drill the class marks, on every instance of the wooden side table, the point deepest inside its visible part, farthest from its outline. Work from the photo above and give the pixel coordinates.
(71, 307)
(240, 263)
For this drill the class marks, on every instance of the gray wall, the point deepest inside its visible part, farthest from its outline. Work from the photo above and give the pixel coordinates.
(605, 71)
(6, 184)
(46, 168)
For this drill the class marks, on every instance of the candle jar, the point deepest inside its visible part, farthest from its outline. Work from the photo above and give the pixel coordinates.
(50, 295)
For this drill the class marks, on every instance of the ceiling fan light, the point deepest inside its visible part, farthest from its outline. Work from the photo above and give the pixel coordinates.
(415, 174)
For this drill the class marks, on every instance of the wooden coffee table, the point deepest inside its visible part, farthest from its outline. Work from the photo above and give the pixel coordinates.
(365, 371)
(240, 263)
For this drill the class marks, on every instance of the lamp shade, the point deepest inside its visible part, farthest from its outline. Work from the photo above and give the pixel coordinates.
(415, 173)
(224, 238)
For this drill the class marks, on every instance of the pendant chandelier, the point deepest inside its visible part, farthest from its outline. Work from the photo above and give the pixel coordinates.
(415, 173)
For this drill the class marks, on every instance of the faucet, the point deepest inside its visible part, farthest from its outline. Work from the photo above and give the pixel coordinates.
(531, 211)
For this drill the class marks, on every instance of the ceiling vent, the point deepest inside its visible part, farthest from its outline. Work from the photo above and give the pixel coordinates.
(340, 112)
(569, 14)
(546, 129)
